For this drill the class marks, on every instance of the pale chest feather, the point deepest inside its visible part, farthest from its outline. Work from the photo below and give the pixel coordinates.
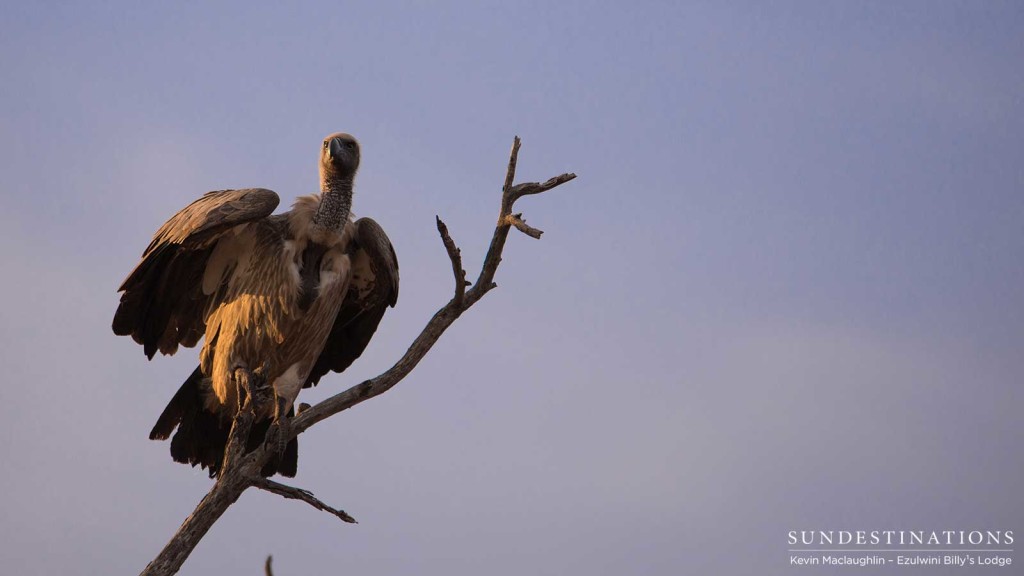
(257, 319)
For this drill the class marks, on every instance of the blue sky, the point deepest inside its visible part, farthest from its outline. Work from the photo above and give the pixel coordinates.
(783, 293)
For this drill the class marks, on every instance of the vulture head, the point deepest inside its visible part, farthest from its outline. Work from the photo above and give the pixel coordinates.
(339, 157)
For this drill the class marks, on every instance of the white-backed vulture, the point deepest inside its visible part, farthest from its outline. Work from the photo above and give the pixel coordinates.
(289, 296)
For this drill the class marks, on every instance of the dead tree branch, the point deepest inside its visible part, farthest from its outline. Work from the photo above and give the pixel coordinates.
(241, 470)
(299, 494)
(455, 255)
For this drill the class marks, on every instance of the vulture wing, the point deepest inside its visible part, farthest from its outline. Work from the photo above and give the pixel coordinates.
(164, 300)
(373, 288)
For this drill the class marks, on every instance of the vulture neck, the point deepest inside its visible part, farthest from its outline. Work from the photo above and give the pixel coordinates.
(335, 204)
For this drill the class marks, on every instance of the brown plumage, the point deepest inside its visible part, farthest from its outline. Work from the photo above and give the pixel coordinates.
(293, 295)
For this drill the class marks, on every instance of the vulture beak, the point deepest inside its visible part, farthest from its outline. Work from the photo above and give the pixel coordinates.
(336, 147)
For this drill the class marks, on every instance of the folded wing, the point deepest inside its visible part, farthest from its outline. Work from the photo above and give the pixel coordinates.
(373, 288)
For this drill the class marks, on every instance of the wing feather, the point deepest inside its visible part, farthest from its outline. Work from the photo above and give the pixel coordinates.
(162, 302)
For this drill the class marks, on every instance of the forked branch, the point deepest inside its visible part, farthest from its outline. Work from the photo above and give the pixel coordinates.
(242, 470)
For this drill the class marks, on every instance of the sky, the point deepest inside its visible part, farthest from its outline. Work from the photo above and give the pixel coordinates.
(784, 292)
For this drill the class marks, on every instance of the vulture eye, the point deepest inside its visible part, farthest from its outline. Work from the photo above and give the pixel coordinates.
(350, 145)
(326, 144)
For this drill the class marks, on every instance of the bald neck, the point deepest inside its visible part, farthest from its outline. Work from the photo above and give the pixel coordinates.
(335, 202)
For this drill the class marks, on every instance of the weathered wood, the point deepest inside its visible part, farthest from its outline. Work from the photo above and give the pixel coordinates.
(224, 493)
(455, 255)
(306, 496)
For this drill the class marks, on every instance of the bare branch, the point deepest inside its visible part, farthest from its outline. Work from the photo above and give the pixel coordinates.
(520, 224)
(299, 494)
(267, 569)
(224, 493)
(510, 173)
(509, 195)
(528, 188)
(455, 255)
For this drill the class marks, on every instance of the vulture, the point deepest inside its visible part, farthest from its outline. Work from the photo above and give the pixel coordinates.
(288, 297)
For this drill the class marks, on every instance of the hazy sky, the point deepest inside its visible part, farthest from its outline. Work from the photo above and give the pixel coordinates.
(785, 292)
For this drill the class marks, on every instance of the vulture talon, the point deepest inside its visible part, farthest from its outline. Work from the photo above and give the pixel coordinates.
(261, 392)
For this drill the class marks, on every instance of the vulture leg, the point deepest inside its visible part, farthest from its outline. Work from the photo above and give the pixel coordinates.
(243, 388)
(281, 426)
(251, 388)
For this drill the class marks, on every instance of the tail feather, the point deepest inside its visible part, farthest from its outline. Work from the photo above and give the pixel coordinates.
(186, 400)
(202, 436)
